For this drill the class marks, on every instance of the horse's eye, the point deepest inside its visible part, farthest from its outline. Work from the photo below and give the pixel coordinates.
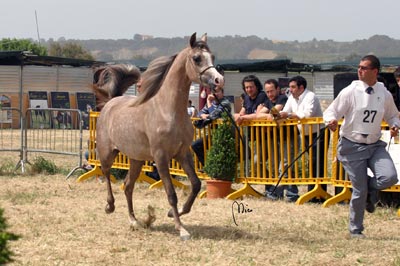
(197, 59)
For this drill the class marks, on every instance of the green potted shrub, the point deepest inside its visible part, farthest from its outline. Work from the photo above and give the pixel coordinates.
(221, 160)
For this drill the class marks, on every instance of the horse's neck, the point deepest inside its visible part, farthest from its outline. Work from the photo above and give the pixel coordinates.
(174, 93)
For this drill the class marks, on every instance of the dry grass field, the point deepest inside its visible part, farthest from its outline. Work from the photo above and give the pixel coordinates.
(62, 222)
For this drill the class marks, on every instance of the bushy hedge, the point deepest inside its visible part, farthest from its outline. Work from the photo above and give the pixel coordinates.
(221, 161)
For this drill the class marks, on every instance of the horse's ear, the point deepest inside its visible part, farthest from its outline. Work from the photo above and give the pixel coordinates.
(204, 37)
(192, 40)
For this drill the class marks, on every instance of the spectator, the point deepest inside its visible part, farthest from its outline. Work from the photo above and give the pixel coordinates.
(396, 75)
(363, 104)
(276, 100)
(255, 96)
(303, 103)
(216, 104)
(204, 92)
(192, 111)
(139, 86)
(242, 96)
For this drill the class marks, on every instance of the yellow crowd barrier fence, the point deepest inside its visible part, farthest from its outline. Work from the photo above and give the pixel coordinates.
(265, 149)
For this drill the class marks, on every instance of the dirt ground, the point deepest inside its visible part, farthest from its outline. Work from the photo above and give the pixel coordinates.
(62, 222)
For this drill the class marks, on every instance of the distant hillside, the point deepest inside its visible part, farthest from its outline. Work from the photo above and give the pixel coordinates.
(146, 48)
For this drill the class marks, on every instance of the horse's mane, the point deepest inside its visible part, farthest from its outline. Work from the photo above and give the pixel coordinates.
(153, 78)
(112, 81)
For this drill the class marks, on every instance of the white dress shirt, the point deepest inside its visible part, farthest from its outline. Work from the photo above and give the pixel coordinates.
(306, 106)
(363, 112)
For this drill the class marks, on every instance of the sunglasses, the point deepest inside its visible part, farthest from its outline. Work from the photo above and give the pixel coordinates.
(365, 68)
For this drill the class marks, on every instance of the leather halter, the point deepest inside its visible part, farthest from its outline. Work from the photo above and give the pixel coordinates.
(203, 71)
(207, 68)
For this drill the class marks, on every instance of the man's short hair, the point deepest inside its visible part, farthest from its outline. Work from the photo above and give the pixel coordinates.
(375, 63)
(272, 81)
(299, 81)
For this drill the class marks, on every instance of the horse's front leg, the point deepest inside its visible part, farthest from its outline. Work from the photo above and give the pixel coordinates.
(186, 161)
(134, 172)
(163, 170)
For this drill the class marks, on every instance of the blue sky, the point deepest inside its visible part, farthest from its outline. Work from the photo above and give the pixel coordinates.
(302, 20)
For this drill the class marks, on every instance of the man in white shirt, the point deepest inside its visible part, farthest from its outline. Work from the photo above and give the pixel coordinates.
(192, 112)
(303, 103)
(364, 104)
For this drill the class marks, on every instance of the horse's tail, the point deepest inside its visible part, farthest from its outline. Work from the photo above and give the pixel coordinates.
(153, 78)
(112, 81)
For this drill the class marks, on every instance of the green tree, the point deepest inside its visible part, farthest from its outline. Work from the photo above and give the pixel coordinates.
(7, 44)
(5, 252)
(69, 50)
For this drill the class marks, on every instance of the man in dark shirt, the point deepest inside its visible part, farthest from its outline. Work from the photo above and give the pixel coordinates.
(274, 100)
(277, 100)
(254, 97)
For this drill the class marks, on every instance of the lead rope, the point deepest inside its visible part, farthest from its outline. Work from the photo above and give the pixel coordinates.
(298, 156)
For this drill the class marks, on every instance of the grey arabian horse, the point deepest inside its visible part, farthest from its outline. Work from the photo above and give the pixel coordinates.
(155, 125)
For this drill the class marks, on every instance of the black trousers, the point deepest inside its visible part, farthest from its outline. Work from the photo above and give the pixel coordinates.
(198, 149)
(317, 159)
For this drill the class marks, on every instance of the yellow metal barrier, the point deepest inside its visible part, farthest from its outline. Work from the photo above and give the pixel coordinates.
(262, 156)
(263, 147)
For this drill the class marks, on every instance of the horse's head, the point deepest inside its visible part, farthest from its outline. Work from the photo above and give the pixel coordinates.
(200, 64)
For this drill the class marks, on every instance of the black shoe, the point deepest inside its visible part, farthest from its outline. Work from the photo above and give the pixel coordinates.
(292, 198)
(317, 200)
(274, 193)
(372, 199)
(273, 196)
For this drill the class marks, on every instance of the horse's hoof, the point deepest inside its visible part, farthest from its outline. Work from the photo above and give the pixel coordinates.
(185, 237)
(134, 225)
(109, 208)
(184, 234)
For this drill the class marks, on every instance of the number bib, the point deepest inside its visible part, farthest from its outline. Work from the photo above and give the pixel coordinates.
(369, 111)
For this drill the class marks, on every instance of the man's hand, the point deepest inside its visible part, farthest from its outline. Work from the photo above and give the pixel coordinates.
(239, 120)
(275, 113)
(204, 116)
(394, 131)
(333, 124)
(283, 115)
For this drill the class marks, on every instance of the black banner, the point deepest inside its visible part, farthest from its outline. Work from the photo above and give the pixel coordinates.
(86, 103)
(60, 100)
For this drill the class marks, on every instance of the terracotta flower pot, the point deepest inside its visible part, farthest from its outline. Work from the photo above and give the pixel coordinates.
(218, 188)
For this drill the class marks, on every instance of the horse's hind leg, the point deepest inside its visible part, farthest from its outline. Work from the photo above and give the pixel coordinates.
(134, 172)
(186, 161)
(163, 169)
(110, 207)
(106, 167)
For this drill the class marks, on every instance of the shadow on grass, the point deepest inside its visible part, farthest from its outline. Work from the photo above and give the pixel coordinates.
(209, 232)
